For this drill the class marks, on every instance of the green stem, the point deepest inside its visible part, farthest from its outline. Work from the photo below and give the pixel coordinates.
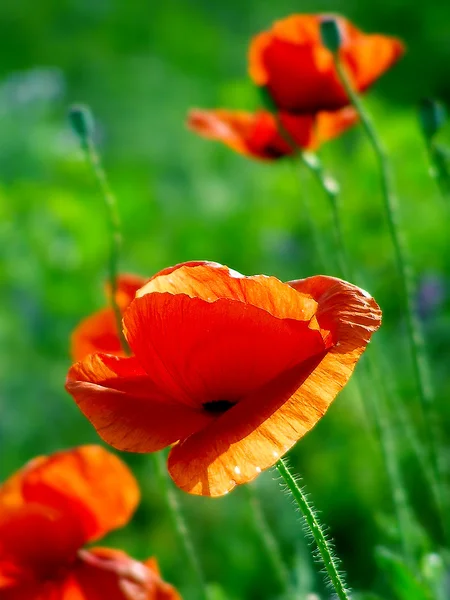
(331, 189)
(324, 546)
(269, 541)
(315, 233)
(407, 289)
(382, 423)
(179, 522)
(378, 406)
(381, 408)
(83, 125)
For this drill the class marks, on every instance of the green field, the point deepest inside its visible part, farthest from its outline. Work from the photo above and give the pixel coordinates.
(141, 68)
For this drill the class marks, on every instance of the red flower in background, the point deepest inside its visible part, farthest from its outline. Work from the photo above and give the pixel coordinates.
(98, 332)
(291, 61)
(50, 509)
(233, 370)
(257, 134)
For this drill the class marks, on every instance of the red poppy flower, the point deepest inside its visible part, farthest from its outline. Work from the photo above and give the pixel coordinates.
(98, 332)
(233, 370)
(257, 134)
(291, 61)
(49, 510)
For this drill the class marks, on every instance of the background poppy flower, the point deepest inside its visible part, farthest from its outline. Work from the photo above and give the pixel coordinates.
(235, 369)
(299, 72)
(50, 509)
(257, 134)
(98, 332)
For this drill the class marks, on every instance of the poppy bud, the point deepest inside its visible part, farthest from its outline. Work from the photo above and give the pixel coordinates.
(330, 34)
(82, 121)
(432, 116)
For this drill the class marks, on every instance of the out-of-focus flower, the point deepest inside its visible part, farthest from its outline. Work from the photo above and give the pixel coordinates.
(298, 71)
(258, 134)
(54, 506)
(98, 332)
(235, 369)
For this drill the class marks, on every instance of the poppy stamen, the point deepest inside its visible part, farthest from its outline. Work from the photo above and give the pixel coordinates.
(218, 407)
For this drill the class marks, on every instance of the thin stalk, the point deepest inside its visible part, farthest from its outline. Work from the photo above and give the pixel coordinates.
(324, 546)
(380, 408)
(382, 423)
(420, 366)
(179, 522)
(315, 233)
(331, 189)
(83, 125)
(269, 542)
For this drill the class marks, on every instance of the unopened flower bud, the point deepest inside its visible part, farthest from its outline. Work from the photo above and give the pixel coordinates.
(331, 34)
(432, 116)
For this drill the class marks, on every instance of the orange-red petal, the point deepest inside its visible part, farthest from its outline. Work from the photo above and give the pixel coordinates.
(299, 71)
(103, 573)
(217, 350)
(211, 281)
(87, 491)
(98, 574)
(251, 436)
(98, 332)
(258, 135)
(127, 407)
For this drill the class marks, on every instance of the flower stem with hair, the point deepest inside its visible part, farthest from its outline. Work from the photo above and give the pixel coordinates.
(420, 366)
(324, 546)
(83, 125)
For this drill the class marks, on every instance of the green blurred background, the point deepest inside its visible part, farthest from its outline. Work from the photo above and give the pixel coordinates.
(141, 66)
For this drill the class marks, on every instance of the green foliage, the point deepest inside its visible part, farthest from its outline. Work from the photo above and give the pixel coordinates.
(181, 198)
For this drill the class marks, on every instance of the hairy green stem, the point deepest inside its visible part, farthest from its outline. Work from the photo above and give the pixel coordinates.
(382, 423)
(83, 125)
(377, 405)
(269, 541)
(179, 522)
(420, 365)
(324, 546)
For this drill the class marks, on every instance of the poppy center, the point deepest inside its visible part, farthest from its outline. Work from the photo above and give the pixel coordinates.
(217, 407)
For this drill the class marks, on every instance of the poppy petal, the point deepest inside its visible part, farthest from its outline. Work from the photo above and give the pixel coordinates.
(128, 410)
(252, 134)
(370, 57)
(34, 541)
(213, 281)
(98, 332)
(291, 61)
(104, 573)
(251, 436)
(88, 485)
(216, 351)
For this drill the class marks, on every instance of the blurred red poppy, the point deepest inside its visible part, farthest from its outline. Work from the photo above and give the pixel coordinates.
(50, 509)
(98, 332)
(298, 71)
(235, 369)
(258, 135)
